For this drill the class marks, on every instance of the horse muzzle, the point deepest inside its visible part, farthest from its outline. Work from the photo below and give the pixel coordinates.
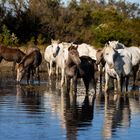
(54, 54)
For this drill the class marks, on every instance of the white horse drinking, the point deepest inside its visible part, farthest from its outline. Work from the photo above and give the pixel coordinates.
(118, 65)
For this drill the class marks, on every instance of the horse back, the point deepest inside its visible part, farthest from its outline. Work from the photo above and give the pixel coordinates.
(88, 66)
(11, 54)
(33, 59)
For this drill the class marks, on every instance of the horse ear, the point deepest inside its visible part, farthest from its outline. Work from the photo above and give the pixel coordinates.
(106, 45)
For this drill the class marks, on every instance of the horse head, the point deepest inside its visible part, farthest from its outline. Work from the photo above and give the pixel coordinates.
(55, 47)
(109, 53)
(20, 71)
(74, 54)
(116, 45)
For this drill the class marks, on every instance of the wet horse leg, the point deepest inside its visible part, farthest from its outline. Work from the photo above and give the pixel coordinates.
(127, 82)
(62, 76)
(68, 84)
(33, 71)
(86, 83)
(75, 83)
(94, 82)
(106, 82)
(135, 70)
(101, 70)
(28, 74)
(37, 73)
(121, 81)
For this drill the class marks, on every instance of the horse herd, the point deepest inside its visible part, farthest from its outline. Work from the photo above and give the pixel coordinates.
(74, 61)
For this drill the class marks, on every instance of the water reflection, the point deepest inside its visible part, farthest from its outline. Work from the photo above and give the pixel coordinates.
(78, 112)
(28, 97)
(117, 114)
(75, 112)
(46, 111)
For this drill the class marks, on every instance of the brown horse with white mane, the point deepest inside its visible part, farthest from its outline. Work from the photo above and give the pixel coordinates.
(11, 54)
(30, 63)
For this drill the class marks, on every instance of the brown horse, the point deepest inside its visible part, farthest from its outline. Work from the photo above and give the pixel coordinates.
(30, 63)
(79, 67)
(101, 62)
(11, 54)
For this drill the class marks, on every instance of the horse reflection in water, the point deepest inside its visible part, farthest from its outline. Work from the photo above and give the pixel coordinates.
(78, 113)
(74, 112)
(11, 54)
(117, 115)
(29, 98)
(30, 64)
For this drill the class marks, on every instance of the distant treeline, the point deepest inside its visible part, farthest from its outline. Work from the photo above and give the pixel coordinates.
(89, 21)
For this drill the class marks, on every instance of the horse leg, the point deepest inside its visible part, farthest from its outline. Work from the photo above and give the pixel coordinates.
(68, 84)
(106, 82)
(101, 70)
(62, 76)
(94, 82)
(57, 70)
(115, 84)
(38, 76)
(28, 75)
(122, 82)
(33, 74)
(50, 68)
(127, 82)
(75, 84)
(86, 83)
(135, 69)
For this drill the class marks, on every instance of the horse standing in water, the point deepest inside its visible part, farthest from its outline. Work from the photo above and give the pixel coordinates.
(29, 63)
(79, 67)
(135, 56)
(11, 54)
(101, 63)
(118, 65)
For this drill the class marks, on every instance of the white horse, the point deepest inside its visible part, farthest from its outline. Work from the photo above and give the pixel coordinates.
(135, 53)
(87, 50)
(118, 65)
(49, 58)
(50, 54)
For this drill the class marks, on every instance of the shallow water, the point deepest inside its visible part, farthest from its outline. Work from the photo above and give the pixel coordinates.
(45, 112)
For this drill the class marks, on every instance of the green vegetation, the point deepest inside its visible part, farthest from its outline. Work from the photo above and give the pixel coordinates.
(89, 21)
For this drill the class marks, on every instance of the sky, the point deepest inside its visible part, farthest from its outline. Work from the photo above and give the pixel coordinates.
(134, 1)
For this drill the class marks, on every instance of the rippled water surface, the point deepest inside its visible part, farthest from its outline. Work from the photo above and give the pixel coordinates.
(45, 112)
